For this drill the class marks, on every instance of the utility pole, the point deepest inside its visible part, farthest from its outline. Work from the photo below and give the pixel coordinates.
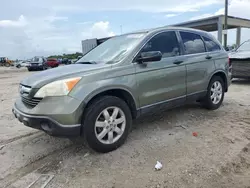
(225, 24)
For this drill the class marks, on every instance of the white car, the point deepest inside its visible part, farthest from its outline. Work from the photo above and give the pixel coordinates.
(21, 64)
(240, 61)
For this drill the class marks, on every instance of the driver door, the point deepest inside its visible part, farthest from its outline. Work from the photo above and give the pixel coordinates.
(162, 84)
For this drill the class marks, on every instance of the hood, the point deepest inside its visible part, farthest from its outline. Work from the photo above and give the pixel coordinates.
(42, 78)
(240, 55)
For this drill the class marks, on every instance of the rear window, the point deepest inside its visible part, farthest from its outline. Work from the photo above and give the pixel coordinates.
(37, 59)
(193, 43)
(211, 45)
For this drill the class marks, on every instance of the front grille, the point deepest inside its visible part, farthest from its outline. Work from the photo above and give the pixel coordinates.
(241, 67)
(27, 96)
(31, 102)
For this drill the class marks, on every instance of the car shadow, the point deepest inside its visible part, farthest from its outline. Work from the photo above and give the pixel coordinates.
(167, 120)
(241, 81)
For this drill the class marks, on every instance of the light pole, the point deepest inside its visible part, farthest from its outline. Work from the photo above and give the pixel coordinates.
(225, 24)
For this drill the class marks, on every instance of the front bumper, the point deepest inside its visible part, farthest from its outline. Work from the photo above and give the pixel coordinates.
(47, 125)
(60, 116)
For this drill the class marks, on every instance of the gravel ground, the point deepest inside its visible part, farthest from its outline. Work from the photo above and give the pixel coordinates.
(218, 157)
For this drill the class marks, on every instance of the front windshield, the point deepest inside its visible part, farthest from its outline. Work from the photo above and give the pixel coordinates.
(245, 46)
(113, 50)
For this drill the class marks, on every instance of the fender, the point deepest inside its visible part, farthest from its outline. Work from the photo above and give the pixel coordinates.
(221, 71)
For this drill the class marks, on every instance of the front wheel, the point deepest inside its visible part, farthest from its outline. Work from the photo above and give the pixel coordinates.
(106, 124)
(215, 93)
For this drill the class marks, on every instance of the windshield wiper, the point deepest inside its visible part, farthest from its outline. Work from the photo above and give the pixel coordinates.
(86, 62)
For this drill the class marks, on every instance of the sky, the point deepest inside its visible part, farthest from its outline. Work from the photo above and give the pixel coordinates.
(51, 27)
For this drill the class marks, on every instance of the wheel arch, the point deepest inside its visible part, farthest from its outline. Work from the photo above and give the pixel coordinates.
(121, 93)
(221, 74)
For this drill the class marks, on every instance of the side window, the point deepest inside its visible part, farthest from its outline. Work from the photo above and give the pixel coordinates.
(211, 45)
(166, 43)
(193, 43)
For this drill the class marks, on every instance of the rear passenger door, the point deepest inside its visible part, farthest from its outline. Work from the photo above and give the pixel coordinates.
(162, 83)
(199, 64)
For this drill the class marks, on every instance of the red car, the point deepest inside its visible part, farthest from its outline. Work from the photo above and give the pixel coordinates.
(52, 63)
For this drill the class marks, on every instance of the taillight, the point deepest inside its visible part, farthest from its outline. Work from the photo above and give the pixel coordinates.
(229, 62)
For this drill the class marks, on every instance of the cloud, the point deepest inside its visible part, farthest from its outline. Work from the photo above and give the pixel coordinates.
(34, 27)
(139, 5)
(201, 16)
(56, 18)
(101, 29)
(238, 8)
(170, 15)
(42, 37)
(20, 22)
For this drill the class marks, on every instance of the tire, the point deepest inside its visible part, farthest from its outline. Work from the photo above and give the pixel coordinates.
(18, 66)
(29, 69)
(96, 112)
(209, 102)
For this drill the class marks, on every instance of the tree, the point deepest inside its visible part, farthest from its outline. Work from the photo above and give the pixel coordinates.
(68, 56)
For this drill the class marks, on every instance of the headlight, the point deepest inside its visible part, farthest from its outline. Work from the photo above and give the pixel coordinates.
(57, 88)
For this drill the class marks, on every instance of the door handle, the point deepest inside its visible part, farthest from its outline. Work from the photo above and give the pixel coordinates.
(208, 57)
(177, 62)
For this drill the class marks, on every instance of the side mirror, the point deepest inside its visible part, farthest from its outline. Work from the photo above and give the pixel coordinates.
(149, 56)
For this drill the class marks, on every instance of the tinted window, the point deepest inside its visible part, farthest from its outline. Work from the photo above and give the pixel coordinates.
(166, 43)
(211, 45)
(192, 43)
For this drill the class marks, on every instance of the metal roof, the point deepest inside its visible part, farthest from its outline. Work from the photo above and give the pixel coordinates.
(211, 23)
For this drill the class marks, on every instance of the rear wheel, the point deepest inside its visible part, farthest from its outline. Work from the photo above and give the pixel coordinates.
(106, 124)
(30, 69)
(215, 93)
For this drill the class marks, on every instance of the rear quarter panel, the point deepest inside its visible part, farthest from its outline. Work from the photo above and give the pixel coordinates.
(221, 65)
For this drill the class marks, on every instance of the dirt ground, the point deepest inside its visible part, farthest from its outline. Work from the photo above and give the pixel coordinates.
(218, 157)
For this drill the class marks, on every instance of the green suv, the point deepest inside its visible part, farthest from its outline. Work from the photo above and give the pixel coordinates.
(123, 78)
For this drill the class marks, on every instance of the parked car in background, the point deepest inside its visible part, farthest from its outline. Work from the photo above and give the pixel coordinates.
(121, 79)
(73, 61)
(37, 63)
(59, 60)
(52, 62)
(230, 48)
(240, 61)
(66, 61)
(20, 64)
